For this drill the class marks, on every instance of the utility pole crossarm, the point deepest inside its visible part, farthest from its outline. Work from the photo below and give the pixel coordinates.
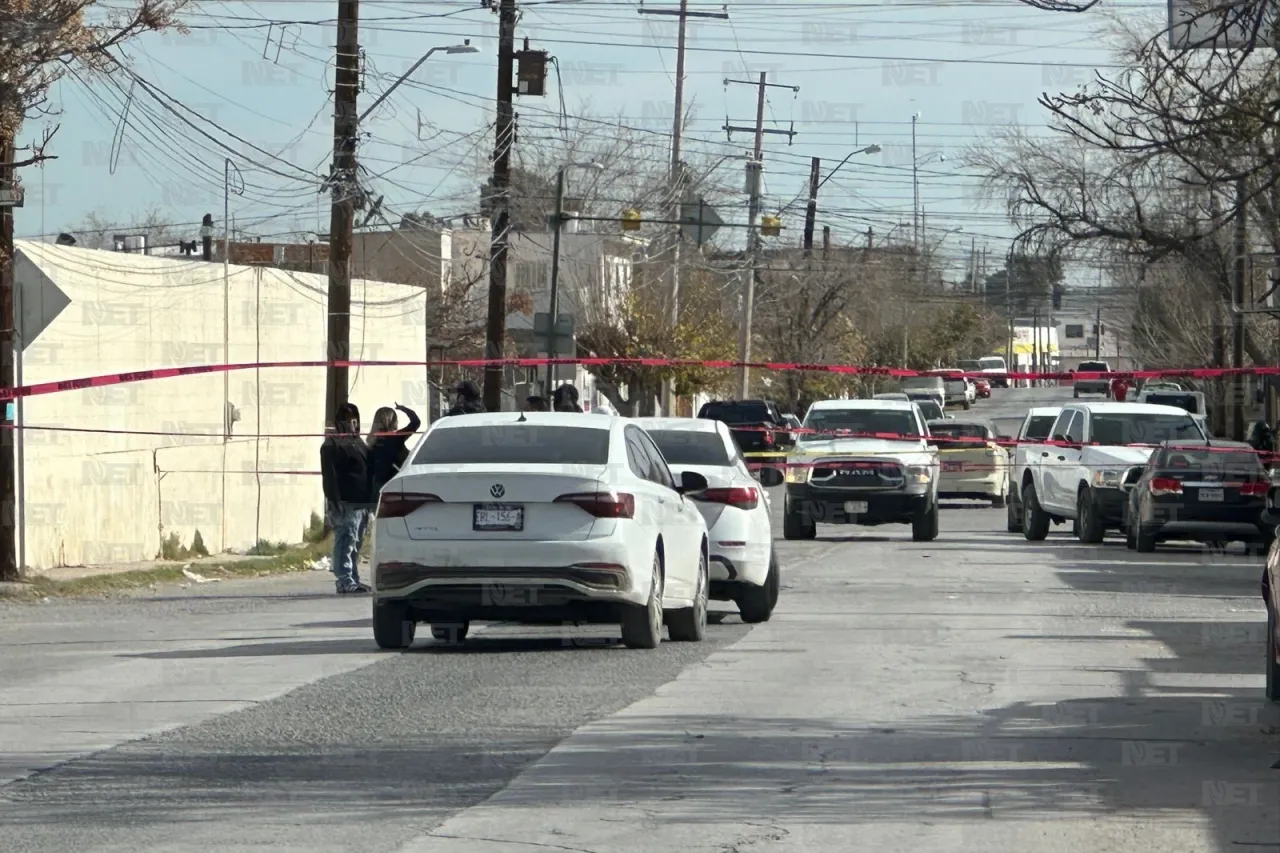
(732, 127)
(685, 13)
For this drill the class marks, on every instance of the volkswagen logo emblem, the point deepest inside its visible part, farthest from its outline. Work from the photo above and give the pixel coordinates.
(497, 490)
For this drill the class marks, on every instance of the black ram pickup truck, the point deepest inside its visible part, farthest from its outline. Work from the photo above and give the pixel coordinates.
(756, 425)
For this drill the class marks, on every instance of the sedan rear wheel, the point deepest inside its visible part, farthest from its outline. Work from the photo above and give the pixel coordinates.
(642, 626)
(689, 625)
(393, 625)
(756, 603)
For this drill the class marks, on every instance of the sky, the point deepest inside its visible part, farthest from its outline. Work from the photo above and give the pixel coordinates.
(252, 81)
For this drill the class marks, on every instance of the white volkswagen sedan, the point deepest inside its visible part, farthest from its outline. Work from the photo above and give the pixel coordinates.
(540, 518)
(735, 506)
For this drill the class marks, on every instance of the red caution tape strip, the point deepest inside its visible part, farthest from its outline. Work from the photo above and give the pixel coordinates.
(844, 369)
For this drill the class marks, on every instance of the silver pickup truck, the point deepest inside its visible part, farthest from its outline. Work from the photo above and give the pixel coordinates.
(1035, 428)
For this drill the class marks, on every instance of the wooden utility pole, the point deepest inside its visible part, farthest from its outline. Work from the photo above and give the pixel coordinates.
(9, 568)
(1238, 384)
(500, 238)
(811, 212)
(755, 180)
(677, 132)
(344, 190)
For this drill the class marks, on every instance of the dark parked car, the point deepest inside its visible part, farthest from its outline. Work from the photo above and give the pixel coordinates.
(756, 425)
(1214, 491)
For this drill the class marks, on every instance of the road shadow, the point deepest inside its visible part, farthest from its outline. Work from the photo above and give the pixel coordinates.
(1195, 573)
(349, 623)
(1176, 756)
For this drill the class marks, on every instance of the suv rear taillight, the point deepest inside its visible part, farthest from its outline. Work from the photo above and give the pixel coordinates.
(603, 504)
(768, 434)
(400, 504)
(740, 497)
(1258, 487)
(1165, 486)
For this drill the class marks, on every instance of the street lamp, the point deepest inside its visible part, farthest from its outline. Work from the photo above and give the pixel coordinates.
(554, 307)
(465, 47)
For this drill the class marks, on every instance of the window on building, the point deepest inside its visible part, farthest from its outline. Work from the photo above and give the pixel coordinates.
(1075, 331)
(532, 276)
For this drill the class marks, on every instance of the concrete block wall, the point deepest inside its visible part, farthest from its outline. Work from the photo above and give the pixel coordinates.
(104, 497)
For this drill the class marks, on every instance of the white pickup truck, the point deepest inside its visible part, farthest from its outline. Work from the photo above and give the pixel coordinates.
(1036, 427)
(1085, 471)
(883, 472)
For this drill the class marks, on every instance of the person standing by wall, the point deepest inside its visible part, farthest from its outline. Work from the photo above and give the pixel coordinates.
(344, 469)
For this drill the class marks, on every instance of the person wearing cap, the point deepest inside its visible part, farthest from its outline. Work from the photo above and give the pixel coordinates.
(467, 401)
(344, 469)
(537, 404)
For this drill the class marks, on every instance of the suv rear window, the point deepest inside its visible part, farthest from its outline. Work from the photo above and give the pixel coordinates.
(515, 444)
(736, 413)
(1093, 367)
(686, 447)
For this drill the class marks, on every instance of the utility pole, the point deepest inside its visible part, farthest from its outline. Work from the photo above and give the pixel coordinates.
(915, 187)
(677, 131)
(811, 213)
(496, 327)
(755, 180)
(1237, 316)
(1097, 331)
(9, 568)
(343, 190)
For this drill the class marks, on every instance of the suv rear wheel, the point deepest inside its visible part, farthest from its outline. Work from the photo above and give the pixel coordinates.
(796, 526)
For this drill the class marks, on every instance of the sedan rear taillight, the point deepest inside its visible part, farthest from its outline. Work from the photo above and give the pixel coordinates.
(1259, 487)
(603, 504)
(400, 504)
(740, 497)
(1165, 486)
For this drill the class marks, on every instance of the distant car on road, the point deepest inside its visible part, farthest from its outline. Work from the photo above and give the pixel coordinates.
(1092, 386)
(735, 506)
(539, 518)
(973, 464)
(995, 367)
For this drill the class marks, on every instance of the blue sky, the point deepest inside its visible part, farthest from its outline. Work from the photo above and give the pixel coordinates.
(262, 71)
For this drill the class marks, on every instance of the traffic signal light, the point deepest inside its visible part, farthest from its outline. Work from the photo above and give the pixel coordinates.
(770, 226)
(631, 220)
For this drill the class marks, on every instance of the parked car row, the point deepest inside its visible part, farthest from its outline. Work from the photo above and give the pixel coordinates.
(548, 518)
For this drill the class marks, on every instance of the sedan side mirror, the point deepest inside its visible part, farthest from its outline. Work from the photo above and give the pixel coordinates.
(692, 482)
(770, 477)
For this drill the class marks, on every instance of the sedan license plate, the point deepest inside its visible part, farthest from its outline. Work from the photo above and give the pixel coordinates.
(1211, 495)
(855, 507)
(495, 517)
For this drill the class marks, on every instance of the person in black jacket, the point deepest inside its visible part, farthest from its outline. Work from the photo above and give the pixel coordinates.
(467, 401)
(344, 468)
(387, 445)
(565, 399)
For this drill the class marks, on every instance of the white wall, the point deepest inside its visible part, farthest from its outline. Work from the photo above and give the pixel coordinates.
(100, 497)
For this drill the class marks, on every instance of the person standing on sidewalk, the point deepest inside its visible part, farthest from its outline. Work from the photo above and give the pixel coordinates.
(344, 468)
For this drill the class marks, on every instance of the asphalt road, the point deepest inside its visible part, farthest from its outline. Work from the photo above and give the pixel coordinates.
(977, 693)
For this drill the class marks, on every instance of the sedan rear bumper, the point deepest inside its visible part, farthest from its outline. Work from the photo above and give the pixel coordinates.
(490, 574)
